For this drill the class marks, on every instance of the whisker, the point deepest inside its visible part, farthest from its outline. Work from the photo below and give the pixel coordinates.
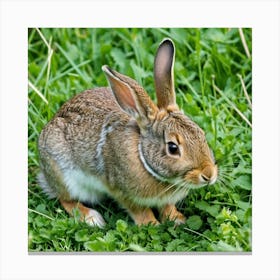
(225, 184)
(225, 173)
(226, 176)
(178, 189)
(167, 189)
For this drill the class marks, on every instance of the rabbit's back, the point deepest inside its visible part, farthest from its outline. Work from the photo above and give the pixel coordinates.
(82, 125)
(97, 101)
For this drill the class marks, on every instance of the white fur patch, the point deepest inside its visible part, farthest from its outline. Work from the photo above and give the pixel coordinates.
(84, 187)
(94, 218)
(99, 148)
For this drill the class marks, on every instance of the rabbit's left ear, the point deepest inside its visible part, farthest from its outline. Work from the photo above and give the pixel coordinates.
(131, 97)
(163, 74)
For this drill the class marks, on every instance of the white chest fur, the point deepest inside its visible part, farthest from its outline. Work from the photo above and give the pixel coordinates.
(84, 187)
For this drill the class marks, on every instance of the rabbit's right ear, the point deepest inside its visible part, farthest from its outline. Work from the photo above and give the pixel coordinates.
(131, 97)
(163, 74)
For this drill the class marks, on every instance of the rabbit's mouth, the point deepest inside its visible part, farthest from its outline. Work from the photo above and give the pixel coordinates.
(202, 177)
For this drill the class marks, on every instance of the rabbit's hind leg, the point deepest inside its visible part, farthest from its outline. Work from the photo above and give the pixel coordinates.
(88, 215)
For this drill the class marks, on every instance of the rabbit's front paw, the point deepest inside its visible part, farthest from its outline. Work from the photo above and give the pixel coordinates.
(169, 212)
(144, 216)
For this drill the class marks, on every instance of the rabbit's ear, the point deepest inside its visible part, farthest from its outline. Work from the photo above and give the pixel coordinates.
(131, 97)
(163, 74)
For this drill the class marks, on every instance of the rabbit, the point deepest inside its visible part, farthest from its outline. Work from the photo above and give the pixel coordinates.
(115, 141)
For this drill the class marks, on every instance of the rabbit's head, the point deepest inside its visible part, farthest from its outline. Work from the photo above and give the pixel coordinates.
(172, 147)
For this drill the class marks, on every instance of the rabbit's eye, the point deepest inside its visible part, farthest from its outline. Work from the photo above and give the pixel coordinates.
(173, 149)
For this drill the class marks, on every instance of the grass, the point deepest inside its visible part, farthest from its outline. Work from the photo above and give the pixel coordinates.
(213, 81)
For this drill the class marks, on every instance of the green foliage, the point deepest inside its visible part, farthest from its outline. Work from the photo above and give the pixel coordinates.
(212, 78)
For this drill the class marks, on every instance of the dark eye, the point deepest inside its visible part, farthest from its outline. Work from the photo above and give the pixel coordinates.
(173, 149)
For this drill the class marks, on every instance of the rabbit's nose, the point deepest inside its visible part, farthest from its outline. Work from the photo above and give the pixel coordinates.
(209, 174)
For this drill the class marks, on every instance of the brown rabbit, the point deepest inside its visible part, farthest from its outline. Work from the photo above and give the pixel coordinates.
(115, 141)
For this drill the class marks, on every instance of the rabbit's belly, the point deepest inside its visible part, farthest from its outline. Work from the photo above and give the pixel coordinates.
(84, 187)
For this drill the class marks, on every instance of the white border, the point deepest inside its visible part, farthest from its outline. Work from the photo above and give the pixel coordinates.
(16, 16)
